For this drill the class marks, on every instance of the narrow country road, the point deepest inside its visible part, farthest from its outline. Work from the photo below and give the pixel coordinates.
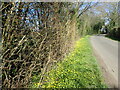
(106, 52)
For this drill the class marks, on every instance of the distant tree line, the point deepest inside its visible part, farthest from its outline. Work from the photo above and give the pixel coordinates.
(113, 26)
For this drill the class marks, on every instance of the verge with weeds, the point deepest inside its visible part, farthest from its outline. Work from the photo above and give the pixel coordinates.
(78, 70)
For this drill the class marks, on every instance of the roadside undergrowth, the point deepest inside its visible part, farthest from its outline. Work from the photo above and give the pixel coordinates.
(78, 70)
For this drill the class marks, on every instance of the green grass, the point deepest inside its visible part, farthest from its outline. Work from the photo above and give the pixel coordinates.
(78, 70)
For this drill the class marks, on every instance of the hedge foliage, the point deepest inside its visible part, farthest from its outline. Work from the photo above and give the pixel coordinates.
(35, 36)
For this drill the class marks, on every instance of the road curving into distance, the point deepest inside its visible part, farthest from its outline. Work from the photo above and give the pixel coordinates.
(106, 52)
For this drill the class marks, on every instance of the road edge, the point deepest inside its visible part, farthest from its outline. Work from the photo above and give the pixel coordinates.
(108, 77)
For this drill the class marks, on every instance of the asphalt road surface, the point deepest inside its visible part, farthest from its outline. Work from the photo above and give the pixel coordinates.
(106, 52)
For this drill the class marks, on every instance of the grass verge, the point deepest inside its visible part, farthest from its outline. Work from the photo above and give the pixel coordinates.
(78, 70)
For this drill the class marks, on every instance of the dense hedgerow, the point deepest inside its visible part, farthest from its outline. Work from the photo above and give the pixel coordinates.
(34, 37)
